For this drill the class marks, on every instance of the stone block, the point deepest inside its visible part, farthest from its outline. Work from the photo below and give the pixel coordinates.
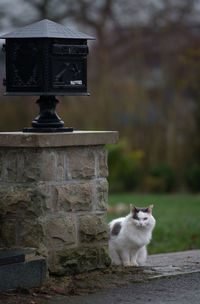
(60, 232)
(102, 155)
(92, 228)
(38, 165)
(1, 164)
(22, 231)
(20, 211)
(7, 233)
(77, 260)
(21, 200)
(80, 163)
(9, 165)
(60, 165)
(31, 233)
(75, 138)
(101, 195)
(73, 197)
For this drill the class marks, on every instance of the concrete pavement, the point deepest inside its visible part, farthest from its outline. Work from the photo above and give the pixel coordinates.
(178, 289)
(166, 278)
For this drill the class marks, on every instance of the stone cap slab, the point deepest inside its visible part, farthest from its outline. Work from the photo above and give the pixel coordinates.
(75, 138)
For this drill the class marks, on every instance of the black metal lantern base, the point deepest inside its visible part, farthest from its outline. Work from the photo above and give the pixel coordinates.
(48, 120)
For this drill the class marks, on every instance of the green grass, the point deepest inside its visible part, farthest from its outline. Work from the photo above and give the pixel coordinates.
(177, 219)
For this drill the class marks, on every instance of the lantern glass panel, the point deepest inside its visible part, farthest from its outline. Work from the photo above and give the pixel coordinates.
(68, 73)
(24, 65)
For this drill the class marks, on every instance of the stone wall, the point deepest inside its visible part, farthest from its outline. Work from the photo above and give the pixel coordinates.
(53, 197)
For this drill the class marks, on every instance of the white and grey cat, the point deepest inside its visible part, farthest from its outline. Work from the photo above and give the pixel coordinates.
(130, 235)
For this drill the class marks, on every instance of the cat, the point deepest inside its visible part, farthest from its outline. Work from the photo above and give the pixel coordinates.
(129, 236)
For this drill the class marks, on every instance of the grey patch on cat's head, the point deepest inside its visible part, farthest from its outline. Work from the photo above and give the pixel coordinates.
(116, 228)
(143, 209)
(136, 210)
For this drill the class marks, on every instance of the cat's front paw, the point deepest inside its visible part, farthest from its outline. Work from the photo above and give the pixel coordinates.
(134, 264)
(126, 264)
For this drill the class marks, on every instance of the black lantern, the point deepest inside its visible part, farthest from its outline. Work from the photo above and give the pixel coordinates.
(46, 59)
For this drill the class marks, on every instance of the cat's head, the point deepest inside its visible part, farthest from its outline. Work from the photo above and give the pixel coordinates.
(142, 217)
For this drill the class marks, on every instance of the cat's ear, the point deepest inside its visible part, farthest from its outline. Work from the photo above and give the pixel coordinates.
(150, 208)
(132, 208)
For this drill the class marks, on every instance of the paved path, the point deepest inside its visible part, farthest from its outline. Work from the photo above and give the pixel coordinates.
(174, 278)
(174, 263)
(167, 278)
(177, 289)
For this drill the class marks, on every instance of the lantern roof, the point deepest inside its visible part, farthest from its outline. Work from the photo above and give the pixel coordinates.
(46, 29)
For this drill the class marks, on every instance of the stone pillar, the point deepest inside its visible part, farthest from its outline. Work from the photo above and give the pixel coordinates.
(53, 197)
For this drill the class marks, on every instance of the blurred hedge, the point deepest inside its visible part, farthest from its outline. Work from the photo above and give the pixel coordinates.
(161, 178)
(127, 171)
(125, 167)
(193, 178)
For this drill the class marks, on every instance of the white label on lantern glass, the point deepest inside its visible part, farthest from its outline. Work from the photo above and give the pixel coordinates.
(76, 82)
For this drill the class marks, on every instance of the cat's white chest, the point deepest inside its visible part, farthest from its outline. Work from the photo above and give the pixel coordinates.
(136, 237)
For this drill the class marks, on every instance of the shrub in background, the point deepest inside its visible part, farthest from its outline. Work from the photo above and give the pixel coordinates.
(161, 178)
(193, 178)
(126, 172)
(125, 167)
(154, 184)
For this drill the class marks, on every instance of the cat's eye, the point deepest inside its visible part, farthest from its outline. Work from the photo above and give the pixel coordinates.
(145, 218)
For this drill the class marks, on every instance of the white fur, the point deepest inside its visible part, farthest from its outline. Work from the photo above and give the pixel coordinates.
(128, 248)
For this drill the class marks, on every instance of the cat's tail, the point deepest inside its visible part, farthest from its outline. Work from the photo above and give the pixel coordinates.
(142, 256)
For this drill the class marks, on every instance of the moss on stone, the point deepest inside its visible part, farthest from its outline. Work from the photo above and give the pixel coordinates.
(78, 260)
(8, 234)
